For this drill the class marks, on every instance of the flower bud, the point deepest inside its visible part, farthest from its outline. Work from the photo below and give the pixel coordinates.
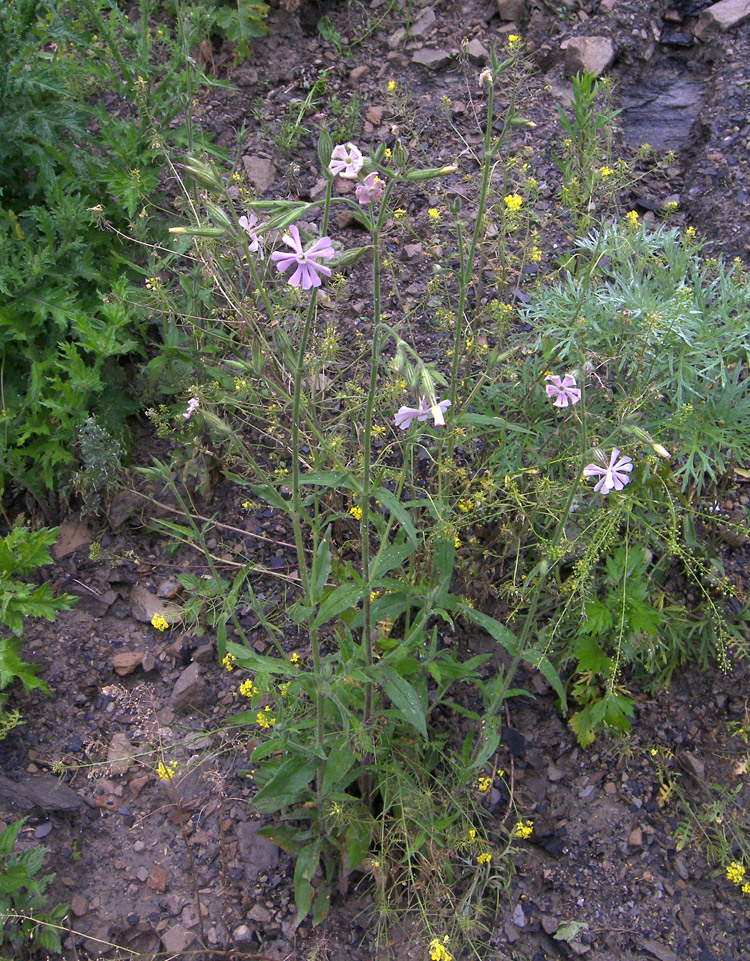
(198, 231)
(205, 174)
(325, 149)
(430, 173)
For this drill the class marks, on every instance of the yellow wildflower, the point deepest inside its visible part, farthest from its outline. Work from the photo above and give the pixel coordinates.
(632, 219)
(356, 513)
(606, 171)
(457, 541)
(284, 688)
(434, 214)
(247, 688)
(513, 202)
(736, 872)
(228, 661)
(484, 784)
(391, 86)
(484, 858)
(265, 718)
(472, 835)
(536, 254)
(399, 213)
(160, 623)
(513, 40)
(746, 888)
(166, 771)
(438, 951)
(524, 830)
(294, 659)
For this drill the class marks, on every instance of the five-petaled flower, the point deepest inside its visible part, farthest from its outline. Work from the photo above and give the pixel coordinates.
(346, 161)
(406, 415)
(308, 270)
(614, 476)
(562, 391)
(251, 225)
(370, 191)
(192, 407)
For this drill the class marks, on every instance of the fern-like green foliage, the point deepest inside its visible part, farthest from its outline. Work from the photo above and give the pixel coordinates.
(21, 553)
(28, 921)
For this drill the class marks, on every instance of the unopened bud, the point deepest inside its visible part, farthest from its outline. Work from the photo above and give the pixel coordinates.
(325, 149)
(431, 173)
(661, 451)
(206, 175)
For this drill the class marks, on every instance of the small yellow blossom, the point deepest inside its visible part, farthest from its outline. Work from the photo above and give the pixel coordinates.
(387, 153)
(632, 219)
(284, 688)
(513, 202)
(391, 86)
(246, 505)
(434, 214)
(153, 283)
(536, 254)
(399, 213)
(356, 512)
(606, 171)
(736, 872)
(166, 771)
(265, 718)
(228, 661)
(746, 888)
(690, 232)
(295, 659)
(247, 688)
(484, 858)
(159, 622)
(374, 595)
(438, 951)
(654, 752)
(465, 505)
(513, 40)
(471, 835)
(457, 541)
(484, 784)
(376, 863)
(524, 830)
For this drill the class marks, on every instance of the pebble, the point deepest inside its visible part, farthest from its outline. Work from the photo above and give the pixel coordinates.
(79, 905)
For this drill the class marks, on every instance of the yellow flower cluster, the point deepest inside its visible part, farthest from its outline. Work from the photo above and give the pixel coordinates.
(160, 623)
(514, 202)
(434, 214)
(632, 219)
(228, 661)
(265, 718)
(356, 513)
(523, 829)
(606, 171)
(247, 688)
(484, 784)
(166, 771)
(736, 872)
(438, 951)
(484, 858)
(295, 659)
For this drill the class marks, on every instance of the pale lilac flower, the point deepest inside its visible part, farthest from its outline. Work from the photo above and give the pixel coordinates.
(370, 191)
(192, 407)
(346, 161)
(250, 226)
(614, 476)
(406, 415)
(308, 270)
(562, 390)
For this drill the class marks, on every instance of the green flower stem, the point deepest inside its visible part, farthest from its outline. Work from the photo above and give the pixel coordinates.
(364, 524)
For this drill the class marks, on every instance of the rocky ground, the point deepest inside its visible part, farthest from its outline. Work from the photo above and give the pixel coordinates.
(611, 851)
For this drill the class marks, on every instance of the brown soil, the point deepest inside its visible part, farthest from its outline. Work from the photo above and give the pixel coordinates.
(605, 849)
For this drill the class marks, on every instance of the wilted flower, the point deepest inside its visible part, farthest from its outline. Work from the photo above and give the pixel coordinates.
(614, 476)
(346, 161)
(406, 415)
(250, 225)
(308, 270)
(370, 191)
(485, 78)
(562, 391)
(192, 407)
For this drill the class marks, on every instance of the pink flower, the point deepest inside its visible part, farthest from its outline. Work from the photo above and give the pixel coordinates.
(308, 270)
(406, 415)
(346, 161)
(562, 390)
(370, 191)
(250, 226)
(614, 476)
(192, 407)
